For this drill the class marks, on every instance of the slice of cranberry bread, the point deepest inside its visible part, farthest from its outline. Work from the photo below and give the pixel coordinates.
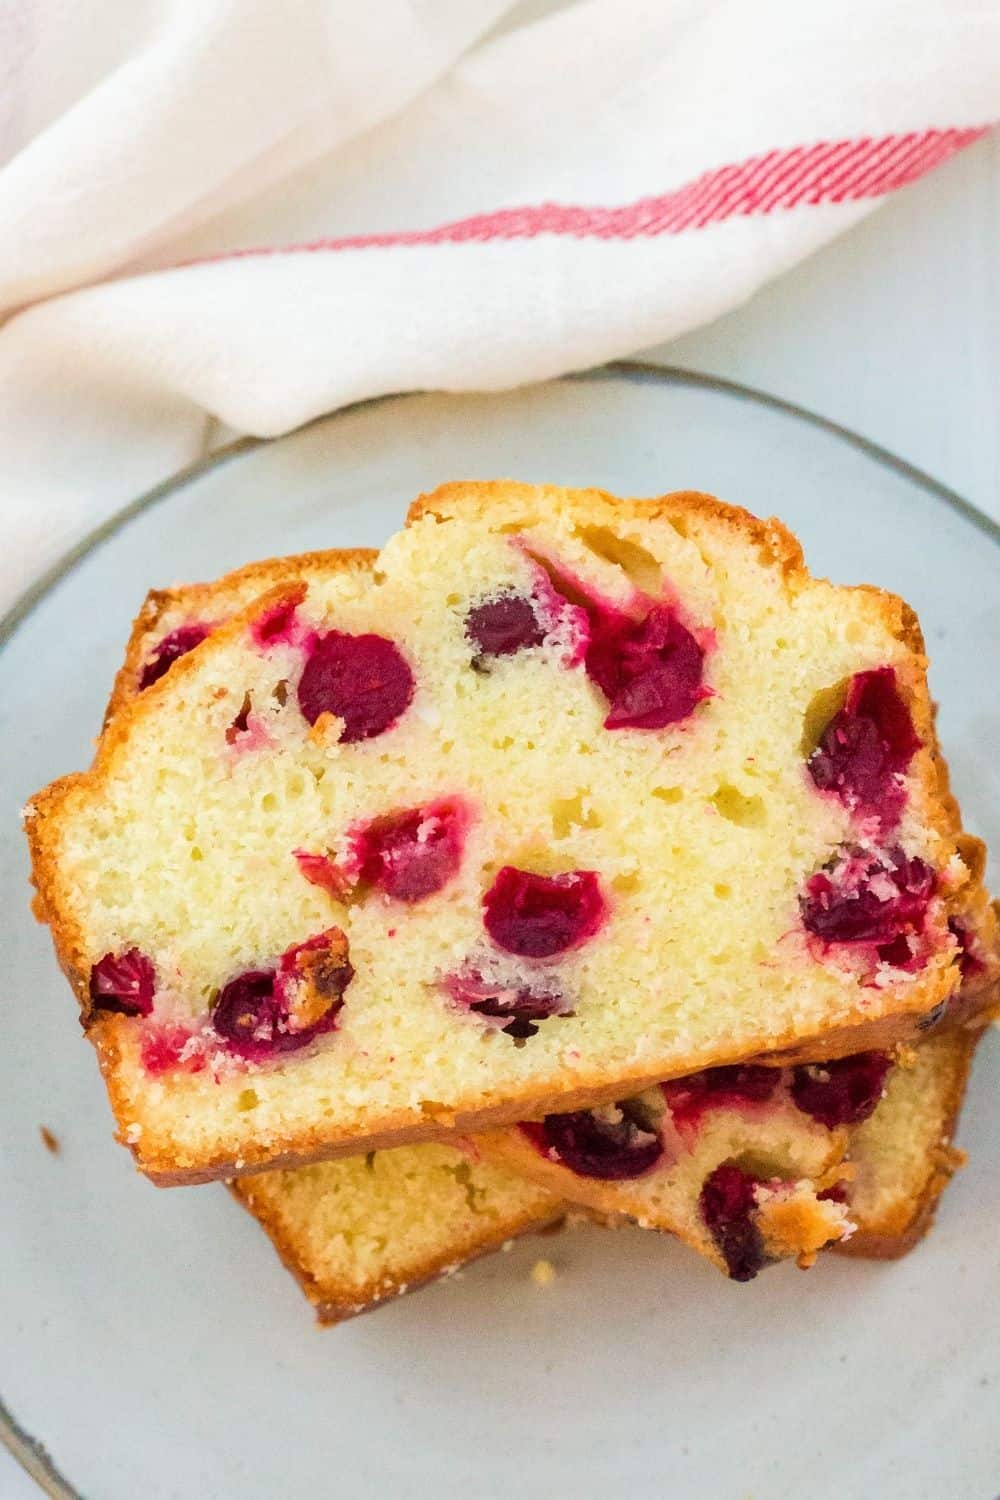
(359, 1232)
(356, 1238)
(561, 796)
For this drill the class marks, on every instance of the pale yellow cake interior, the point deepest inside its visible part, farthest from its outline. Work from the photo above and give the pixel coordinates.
(365, 1227)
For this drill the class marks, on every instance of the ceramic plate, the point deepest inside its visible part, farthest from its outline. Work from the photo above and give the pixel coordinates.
(151, 1341)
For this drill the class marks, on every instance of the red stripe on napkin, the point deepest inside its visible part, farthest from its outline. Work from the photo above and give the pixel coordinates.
(827, 172)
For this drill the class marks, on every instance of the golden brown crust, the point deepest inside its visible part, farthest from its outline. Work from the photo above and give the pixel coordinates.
(796, 1228)
(336, 1301)
(774, 542)
(284, 582)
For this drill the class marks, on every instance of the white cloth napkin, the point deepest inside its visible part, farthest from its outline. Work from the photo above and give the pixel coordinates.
(254, 212)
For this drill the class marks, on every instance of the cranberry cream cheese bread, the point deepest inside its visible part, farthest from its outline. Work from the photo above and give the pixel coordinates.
(557, 797)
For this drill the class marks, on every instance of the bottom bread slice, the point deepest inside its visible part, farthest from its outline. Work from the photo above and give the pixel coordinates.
(358, 1232)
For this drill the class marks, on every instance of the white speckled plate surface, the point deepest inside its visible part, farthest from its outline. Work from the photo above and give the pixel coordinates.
(151, 1341)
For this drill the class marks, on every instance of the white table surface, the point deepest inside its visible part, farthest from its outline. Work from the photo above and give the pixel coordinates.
(893, 330)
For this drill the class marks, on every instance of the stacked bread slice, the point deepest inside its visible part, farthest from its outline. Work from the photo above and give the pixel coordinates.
(568, 854)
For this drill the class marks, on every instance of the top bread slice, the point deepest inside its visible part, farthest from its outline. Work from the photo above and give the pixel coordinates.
(361, 1230)
(629, 843)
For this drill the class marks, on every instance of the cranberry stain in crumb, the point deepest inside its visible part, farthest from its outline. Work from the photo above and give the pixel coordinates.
(728, 1205)
(248, 731)
(611, 1144)
(166, 1048)
(844, 1091)
(170, 649)
(278, 626)
(866, 747)
(364, 680)
(970, 964)
(745, 1087)
(124, 983)
(412, 854)
(538, 916)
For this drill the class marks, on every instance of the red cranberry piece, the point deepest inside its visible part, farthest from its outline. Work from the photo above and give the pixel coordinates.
(362, 679)
(173, 646)
(503, 625)
(536, 916)
(253, 1013)
(898, 954)
(520, 1009)
(843, 1092)
(650, 670)
(864, 897)
(411, 855)
(246, 1012)
(123, 982)
(594, 1146)
(867, 746)
(728, 1206)
(719, 1088)
(835, 1194)
(321, 961)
